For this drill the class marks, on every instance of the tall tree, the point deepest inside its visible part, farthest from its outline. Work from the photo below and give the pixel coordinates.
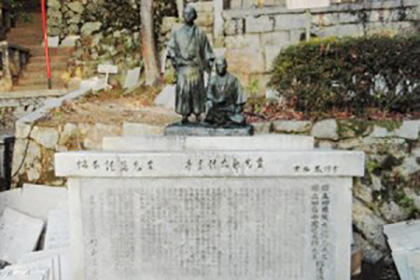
(148, 45)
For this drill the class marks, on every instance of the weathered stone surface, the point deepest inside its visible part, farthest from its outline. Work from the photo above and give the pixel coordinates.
(90, 27)
(243, 41)
(96, 133)
(33, 162)
(76, 7)
(271, 52)
(240, 62)
(54, 4)
(259, 24)
(409, 130)
(166, 97)
(22, 130)
(326, 129)
(278, 38)
(263, 127)
(135, 129)
(292, 126)
(393, 212)
(290, 21)
(45, 136)
(370, 224)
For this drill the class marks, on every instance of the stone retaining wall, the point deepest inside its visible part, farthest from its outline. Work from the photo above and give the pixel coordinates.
(262, 33)
(388, 193)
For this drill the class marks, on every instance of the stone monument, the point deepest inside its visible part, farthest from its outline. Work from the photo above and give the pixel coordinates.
(207, 211)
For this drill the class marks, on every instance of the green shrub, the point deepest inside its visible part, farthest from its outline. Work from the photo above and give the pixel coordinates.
(351, 73)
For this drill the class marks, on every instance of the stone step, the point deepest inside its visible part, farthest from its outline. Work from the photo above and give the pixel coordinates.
(35, 75)
(40, 50)
(26, 41)
(56, 82)
(35, 87)
(37, 66)
(33, 20)
(53, 59)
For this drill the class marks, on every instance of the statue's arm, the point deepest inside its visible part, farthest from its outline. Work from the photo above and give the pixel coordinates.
(208, 54)
(172, 50)
(241, 97)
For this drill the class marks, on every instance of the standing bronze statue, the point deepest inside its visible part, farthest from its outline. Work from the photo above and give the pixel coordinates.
(225, 98)
(191, 55)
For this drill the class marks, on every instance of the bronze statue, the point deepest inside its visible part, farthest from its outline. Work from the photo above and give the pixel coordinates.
(191, 54)
(225, 98)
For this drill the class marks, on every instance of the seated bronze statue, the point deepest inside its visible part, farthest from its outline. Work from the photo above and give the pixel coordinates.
(225, 98)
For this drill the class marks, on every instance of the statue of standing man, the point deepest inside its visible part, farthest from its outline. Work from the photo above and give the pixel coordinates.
(191, 54)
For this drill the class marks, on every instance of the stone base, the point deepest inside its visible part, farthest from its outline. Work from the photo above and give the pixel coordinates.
(195, 129)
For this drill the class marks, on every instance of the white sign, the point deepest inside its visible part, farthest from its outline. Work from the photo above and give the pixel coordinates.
(307, 4)
(107, 69)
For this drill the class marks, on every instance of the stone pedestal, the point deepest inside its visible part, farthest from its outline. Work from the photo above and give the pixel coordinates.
(194, 129)
(200, 213)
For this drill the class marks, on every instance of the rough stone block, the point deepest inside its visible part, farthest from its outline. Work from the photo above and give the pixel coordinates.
(271, 52)
(263, 127)
(297, 36)
(292, 126)
(290, 21)
(45, 136)
(133, 129)
(245, 60)
(279, 38)
(326, 129)
(242, 41)
(259, 24)
(324, 19)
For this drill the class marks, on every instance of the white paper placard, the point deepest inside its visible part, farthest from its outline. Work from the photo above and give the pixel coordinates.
(106, 68)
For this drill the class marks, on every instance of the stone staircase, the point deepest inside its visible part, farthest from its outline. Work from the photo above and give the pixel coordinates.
(34, 76)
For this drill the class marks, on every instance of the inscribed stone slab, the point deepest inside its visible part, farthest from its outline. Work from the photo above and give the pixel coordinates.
(316, 163)
(50, 263)
(61, 257)
(180, 143)
(58, 231)
(202, 228)
(39, 200)
(10, 199)
(19, 235)
(132, 78)
(10, 273)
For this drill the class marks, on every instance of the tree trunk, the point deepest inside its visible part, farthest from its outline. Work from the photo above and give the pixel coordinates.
(148, 46)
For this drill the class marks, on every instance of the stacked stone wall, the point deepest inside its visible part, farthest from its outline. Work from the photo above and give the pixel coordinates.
(261, 34)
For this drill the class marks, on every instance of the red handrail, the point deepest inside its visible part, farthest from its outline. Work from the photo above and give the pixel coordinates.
(45, 31)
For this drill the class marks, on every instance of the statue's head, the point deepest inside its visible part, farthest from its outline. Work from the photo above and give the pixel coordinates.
(221, 66)
(190, 14)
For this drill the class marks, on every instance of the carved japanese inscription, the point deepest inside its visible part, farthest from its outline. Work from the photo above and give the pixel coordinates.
(203, 229)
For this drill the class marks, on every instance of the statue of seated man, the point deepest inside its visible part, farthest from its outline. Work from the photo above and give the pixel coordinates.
(225, 98)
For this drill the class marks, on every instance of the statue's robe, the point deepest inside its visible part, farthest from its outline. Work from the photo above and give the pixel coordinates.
(225, 101)
(191, 53)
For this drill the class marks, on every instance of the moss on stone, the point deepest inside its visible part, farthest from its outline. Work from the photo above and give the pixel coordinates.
(389, 125)
(354, 128)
